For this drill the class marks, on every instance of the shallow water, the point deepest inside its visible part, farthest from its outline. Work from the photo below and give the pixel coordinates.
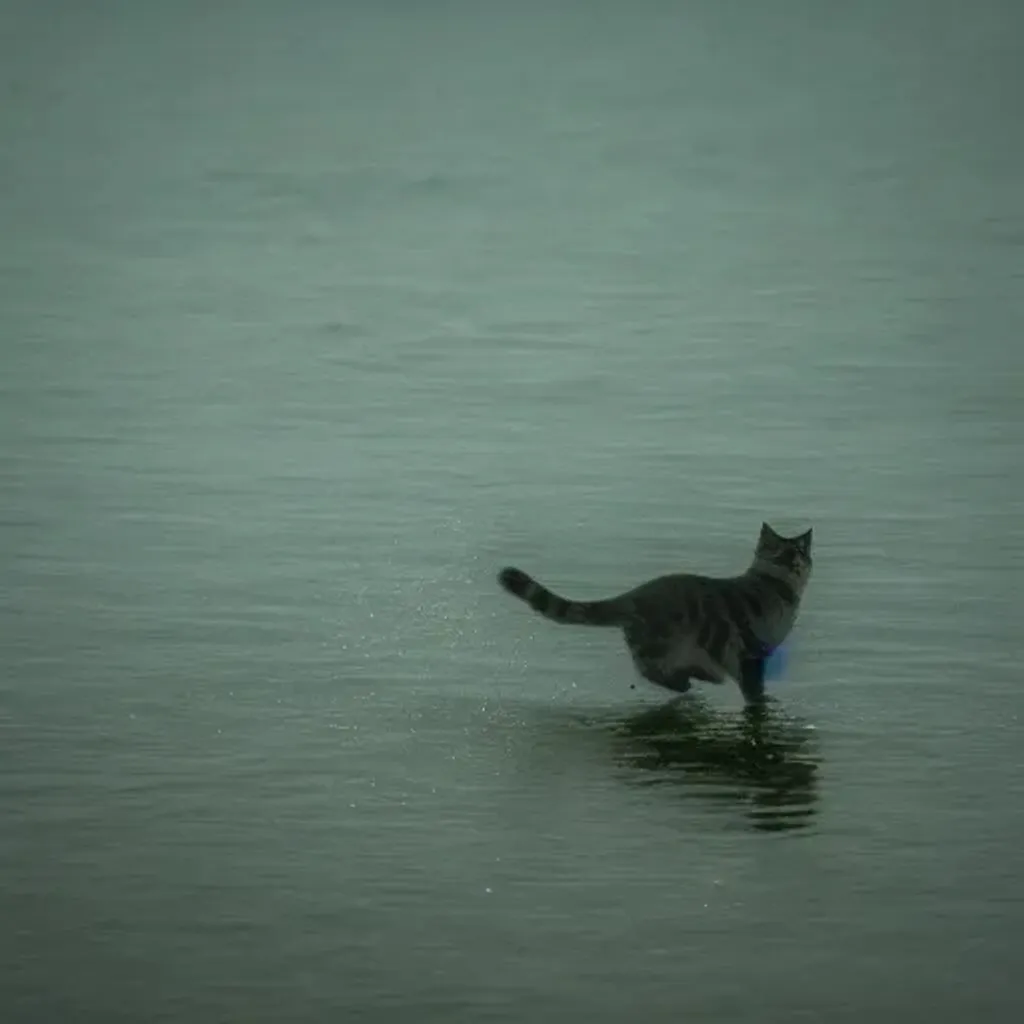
(312, 318)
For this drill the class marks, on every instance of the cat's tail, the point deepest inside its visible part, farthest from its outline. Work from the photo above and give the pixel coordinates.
(558, 609)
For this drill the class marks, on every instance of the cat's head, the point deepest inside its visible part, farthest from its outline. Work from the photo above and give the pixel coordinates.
(790, 554)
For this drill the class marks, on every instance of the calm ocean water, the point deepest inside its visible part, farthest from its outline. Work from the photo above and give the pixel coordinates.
(315, 315)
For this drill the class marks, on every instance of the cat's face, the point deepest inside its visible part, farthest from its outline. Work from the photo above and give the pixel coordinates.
(791, 553)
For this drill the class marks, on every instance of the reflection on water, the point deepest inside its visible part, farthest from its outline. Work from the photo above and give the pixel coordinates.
(764, 762)
(763, 759)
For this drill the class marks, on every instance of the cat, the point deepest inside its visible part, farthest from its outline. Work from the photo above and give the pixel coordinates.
(683, 627)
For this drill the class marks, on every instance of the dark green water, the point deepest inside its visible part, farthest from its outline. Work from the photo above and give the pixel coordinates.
(313, 316)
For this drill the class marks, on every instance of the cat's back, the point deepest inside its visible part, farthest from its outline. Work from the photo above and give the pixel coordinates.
(674, 586)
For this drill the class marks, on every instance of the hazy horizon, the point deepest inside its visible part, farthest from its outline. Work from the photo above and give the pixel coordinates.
(314, 316)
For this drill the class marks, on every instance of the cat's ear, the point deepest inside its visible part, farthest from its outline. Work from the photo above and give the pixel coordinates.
(803, 542)
(768, 534)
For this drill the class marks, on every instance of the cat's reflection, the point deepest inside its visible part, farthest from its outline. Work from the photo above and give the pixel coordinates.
(763, 759)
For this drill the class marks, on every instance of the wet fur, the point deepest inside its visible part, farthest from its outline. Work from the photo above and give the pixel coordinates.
(686, 627)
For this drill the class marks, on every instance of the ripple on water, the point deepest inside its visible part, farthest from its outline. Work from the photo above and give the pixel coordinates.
(765, 761)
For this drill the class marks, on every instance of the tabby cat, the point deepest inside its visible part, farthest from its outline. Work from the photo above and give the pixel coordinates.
(684, 627)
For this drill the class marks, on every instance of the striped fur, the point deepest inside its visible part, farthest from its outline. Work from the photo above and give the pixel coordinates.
(684, 627)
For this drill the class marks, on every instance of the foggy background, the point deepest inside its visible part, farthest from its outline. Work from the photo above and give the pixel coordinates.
(314, 315)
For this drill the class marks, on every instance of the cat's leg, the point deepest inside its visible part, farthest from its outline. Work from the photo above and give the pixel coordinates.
(714, 652)
(649, 651)
(678, 680)
(741, 658)
(751, 680)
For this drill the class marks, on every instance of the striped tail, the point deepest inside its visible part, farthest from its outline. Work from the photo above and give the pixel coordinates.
(551, 606)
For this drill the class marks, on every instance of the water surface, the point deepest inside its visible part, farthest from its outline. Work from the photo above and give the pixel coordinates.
(313, 316)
